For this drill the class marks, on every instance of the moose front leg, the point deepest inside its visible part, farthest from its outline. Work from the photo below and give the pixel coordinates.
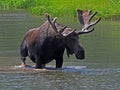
(59, 62)
(38, 62)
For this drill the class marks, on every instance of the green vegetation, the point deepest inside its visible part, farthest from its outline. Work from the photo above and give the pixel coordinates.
(106, 8)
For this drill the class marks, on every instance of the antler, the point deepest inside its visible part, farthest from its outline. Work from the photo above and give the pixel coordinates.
(52, 23)
(84, 19)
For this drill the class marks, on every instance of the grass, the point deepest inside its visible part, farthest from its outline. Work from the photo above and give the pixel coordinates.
(106, 8)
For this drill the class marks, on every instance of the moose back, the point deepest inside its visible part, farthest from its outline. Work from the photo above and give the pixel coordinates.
(49, 41)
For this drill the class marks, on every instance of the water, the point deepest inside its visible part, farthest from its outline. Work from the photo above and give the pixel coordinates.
(99, 71)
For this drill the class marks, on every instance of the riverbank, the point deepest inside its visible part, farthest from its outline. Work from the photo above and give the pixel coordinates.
(106, 8)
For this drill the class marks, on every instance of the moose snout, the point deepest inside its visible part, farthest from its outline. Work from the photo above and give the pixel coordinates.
(80, 54)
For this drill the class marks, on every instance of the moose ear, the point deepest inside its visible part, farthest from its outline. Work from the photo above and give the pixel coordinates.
(67, 32)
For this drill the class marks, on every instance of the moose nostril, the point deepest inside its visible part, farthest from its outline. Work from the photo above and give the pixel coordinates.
(80, 55)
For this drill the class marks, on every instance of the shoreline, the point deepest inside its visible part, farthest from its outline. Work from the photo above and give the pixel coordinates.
(26, 13)
(105, 8)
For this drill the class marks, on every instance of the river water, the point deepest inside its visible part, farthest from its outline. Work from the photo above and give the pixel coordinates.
(100, 70)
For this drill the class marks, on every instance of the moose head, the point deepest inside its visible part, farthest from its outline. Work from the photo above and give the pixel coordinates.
(71, 36)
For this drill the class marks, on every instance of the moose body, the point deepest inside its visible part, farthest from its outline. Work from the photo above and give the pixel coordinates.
(49, 41)
(46, 46)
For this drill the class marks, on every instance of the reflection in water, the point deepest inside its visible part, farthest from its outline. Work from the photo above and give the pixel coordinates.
(99, 71)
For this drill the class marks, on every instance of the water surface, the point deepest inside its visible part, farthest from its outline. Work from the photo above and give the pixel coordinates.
(99, 71)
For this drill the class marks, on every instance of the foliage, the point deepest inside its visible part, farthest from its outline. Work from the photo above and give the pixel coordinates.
(106, 8)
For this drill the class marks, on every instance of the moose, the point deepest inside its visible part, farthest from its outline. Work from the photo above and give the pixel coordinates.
(49, 41)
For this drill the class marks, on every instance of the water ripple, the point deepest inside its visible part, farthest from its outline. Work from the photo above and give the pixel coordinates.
(70, 69)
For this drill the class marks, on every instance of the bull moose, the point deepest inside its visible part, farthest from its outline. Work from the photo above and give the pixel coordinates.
(49, 41)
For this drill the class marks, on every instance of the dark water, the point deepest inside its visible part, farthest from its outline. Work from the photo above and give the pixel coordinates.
(99, 71)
